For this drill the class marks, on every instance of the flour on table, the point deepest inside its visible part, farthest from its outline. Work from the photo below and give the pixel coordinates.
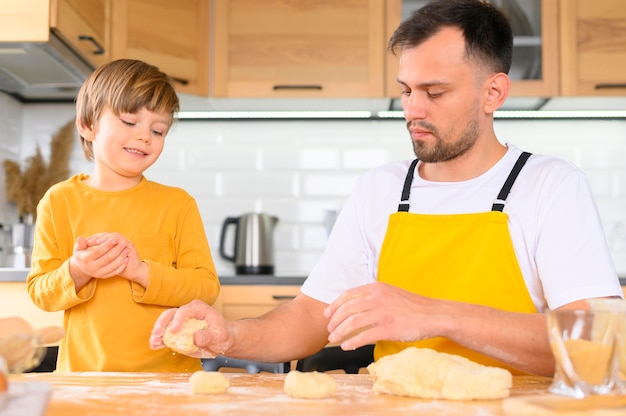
(182, 341)
(426, 373)
(208, 382)
(309, 385)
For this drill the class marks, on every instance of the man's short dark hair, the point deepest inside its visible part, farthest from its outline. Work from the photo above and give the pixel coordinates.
(487, 31)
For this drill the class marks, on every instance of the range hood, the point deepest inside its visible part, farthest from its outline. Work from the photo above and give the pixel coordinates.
(41, 71)
(201, 108)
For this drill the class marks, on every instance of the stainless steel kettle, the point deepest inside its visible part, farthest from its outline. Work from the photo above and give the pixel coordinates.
(253, 251)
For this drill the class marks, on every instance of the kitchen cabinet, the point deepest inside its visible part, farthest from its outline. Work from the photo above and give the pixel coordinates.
(81, 24)
(15, 301)
(299, 48)
(535, 69)
(593, 47)
(174, 36)
(247, 301)
(84, 25)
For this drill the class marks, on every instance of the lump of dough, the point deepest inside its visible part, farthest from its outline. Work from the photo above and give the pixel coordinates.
(182, 341)
(208, 382)
(309, 385)
(426, 373)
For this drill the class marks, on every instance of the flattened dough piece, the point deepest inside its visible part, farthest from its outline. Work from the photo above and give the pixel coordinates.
(426, 373)
(182, 341)
(309, 385)
(208, 382)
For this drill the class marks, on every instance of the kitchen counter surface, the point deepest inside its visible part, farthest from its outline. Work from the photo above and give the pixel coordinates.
(261, 280)
(8, 274)
(250, 394)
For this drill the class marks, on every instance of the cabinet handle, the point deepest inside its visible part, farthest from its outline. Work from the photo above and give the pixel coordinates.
(99, 49)
(297, 87)
(609, 86)
(180, 80)
(283, 297)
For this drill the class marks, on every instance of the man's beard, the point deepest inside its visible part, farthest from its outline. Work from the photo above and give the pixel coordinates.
(444, 150)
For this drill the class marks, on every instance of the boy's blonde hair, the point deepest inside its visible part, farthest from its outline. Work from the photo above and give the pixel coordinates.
(124, 86)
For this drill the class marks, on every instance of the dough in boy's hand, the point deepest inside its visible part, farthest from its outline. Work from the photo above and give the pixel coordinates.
(182, 341)
(208, 382)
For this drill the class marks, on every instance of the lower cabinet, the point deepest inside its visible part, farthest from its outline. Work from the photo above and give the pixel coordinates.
(248, 301)
(14, 301)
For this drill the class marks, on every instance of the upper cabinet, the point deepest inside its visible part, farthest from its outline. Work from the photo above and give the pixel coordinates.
(299, 48)
(535, 68)
(593, 47)
(81, 24)
(173, 35)
(84, 25)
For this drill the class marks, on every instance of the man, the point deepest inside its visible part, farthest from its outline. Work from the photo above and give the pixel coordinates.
(460, 251)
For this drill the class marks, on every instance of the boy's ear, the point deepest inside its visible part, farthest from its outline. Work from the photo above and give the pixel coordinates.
(85, 131)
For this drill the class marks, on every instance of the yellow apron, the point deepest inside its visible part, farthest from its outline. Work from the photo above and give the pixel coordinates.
(460, 257)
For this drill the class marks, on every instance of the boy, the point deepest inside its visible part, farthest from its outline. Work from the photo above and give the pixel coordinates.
(113, 249)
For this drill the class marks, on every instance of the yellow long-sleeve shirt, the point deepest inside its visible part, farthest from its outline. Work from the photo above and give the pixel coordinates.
(108, 322)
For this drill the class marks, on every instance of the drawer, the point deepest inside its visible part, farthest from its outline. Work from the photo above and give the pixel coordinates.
(247, 301)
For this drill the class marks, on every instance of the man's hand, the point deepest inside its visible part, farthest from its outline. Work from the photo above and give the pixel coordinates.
(215, 340)
(379, 311)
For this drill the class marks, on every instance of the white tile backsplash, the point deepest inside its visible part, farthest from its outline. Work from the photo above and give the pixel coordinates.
(298, 169)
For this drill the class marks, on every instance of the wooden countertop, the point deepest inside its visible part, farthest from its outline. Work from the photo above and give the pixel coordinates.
(168, 394)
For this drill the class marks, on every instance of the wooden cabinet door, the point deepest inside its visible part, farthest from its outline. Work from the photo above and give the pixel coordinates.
(172, 35)
(84, 25)
(299, 48)
(249, 301)
(15, 301)
(543, 83)
(593, 47)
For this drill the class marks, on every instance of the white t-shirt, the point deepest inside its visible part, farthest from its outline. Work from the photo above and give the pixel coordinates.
(553, 220)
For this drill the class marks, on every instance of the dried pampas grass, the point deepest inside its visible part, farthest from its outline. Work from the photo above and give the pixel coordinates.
(25, 189)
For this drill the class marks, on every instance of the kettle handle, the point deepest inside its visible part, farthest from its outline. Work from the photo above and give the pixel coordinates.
(227, 221)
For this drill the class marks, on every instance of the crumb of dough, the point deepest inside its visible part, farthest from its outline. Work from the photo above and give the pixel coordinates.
(182, 341)
(208, 382)
(429, 374)
(309, 385)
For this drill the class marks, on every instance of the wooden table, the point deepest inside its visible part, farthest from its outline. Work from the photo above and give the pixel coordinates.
(96, 394)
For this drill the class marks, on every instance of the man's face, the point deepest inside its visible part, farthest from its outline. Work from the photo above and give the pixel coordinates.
(440, 97)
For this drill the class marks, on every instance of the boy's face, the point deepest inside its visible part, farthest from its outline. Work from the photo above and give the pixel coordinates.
(126, 145)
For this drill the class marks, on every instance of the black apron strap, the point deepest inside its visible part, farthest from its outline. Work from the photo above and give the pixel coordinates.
(498, 204)
(406, 190)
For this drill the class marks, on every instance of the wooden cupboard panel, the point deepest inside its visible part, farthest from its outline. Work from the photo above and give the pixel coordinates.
(298, 48)
(14, 301)
(24, 20)
(174, 36)
(593, 47)
(243, 301)
(84, 24)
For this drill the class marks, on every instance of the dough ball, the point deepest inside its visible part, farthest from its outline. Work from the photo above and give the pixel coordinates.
(309, 385)
(208, 382)
(182, 341)
(428, 374)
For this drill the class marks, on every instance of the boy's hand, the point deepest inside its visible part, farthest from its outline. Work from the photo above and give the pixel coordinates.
(100, 256)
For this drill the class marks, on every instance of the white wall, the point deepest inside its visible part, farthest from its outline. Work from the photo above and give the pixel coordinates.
(296, 170)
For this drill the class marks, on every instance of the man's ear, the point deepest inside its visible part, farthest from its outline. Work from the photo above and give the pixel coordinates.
(85, 131)
(497, 92)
